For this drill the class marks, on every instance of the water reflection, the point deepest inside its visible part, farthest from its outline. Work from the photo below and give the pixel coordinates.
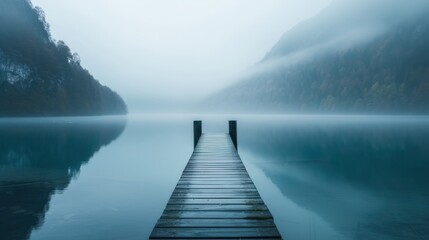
(322, 177)
(39, 158)
(367, 180)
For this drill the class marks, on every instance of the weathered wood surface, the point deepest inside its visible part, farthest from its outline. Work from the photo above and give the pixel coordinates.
(215, 198)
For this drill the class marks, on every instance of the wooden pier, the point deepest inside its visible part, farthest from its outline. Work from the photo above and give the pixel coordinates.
(215, 197)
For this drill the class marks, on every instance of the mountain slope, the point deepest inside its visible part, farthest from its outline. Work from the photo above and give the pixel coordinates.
(39, 76)
(337, 63)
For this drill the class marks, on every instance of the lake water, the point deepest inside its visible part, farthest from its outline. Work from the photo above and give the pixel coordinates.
(322, 177)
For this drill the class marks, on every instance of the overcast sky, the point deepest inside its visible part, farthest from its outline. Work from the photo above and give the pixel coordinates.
(172, 50)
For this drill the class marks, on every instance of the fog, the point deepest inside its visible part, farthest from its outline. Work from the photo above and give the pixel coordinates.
(342, 25)
(159, 53)
(165, 54)
(354, 37)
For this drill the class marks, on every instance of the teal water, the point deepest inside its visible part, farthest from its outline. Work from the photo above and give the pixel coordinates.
(322, 177)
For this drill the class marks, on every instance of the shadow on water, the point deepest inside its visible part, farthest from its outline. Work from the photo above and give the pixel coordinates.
(38, 158)
(367, 180)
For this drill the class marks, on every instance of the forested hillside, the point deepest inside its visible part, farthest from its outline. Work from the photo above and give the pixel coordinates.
(41, 76)
(387, 73)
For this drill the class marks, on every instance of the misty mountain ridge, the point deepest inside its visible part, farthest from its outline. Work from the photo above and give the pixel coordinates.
(40, 76)
(342, 18)
(355, 56)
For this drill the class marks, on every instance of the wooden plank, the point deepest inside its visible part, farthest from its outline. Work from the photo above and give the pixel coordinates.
(217, 201)
(224, 156)
(215, 195)
(214, 223)
(207, 161)
(215, 168)
(215, 174)
(215, 191)
(216, 207)
(214, 165)
(218, 178)
(217, 214)
(214, 161)
(216, 186)
(225, 179)
(206, 167)
(203, 233)
(210, 238)
(215, 171)
(214, 182)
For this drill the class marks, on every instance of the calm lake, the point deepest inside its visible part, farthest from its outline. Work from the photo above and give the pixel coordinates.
(322, 177)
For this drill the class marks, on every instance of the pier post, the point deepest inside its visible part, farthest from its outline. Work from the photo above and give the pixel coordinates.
(197, 132)
(233, 132)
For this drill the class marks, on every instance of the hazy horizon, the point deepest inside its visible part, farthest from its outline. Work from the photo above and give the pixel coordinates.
(165, 53)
